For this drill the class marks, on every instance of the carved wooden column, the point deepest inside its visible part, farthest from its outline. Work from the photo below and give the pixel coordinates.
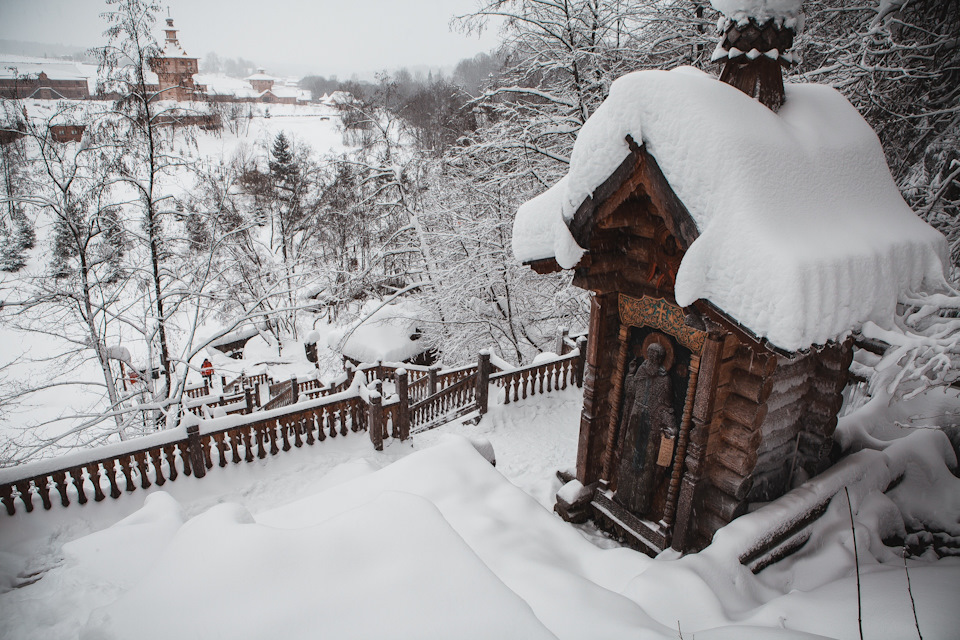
(697, 447)
(614, 411)
(669, 510)
(604, 323)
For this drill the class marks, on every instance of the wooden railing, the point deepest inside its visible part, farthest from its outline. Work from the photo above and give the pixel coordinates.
(188, 449)
(196, 446)
(538, 379)
(449, 403)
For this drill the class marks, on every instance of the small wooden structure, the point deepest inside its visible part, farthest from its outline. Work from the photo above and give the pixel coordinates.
(750, 420)
(688, 417)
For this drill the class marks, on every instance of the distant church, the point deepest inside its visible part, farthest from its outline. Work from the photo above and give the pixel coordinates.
(175, 70)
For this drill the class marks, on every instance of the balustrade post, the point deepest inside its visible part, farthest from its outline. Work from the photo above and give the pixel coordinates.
(432, 380)
(376, 420)
(483, 381)
(248, 396)
(403, 410)
(295, 390)
(562, 333)
(582, 360)
(197, 464)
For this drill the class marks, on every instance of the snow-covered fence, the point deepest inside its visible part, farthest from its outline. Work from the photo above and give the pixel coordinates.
(191, 449)
(542, 377)
(432, 397)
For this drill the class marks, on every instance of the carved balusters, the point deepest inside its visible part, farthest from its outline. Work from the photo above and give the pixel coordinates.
(328, 416)
(308, 426)
(42, 485)
(93, 470)
(76, 477)
(7, 495)
(205, 442)
(170, 454)
(26, 495)
(261, 444)
(342, 415)
(247, 443)
(298, 426)
(126, 466)
(110, 469)
(141, 459)
(234, 435)
(318, 422)
(272, 432)
(220, 442)
(285, 432)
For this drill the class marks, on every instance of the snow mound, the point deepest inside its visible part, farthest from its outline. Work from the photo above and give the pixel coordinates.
(803, 233)
(389, 334)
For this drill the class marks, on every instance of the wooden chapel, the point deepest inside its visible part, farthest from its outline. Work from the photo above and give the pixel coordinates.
(688, 417)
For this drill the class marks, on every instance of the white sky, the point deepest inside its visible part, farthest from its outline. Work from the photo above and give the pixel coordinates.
(288, 36)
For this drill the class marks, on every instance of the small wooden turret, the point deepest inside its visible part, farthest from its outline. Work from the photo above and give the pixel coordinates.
(754, 50)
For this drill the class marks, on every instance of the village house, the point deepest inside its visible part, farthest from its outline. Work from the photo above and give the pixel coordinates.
(734, 234)
(43, 80)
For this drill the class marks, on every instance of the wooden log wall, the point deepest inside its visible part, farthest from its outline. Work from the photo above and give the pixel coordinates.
(772, 428)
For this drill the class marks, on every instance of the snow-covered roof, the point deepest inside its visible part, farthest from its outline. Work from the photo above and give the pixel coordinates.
(385, 335)
(760, 9)
(803, 234)
(172, 49)
(260, 75)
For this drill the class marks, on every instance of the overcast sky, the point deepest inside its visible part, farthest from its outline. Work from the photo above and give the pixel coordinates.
(321, 36)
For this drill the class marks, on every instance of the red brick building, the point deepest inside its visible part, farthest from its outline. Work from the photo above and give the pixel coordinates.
(175, 70)
(44, 81)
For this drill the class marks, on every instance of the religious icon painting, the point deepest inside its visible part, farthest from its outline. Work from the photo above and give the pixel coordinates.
(655, 383)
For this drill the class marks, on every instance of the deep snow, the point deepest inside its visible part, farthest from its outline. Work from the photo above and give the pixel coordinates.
(427, 539)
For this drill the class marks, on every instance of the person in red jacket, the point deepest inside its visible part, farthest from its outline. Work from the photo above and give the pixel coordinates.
(206, 370)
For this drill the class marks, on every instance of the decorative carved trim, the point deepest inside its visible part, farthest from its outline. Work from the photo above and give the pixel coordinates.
(660, 314)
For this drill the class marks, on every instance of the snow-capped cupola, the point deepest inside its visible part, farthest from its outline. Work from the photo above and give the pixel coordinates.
(757, 36)
(731, 250)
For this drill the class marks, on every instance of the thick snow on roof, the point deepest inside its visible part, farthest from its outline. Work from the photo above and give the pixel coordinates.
(803, 233)
(760, 9)
(384, 335)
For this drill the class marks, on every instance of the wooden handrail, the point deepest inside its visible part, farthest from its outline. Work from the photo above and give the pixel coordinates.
(322, 412)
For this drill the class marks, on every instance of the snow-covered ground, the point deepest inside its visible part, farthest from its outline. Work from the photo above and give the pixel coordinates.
(254, 128)
(426, 539)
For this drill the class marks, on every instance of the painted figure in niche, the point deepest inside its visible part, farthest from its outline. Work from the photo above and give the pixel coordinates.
(648, 418)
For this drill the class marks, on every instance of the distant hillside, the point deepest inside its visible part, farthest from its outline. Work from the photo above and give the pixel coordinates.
(45, 50)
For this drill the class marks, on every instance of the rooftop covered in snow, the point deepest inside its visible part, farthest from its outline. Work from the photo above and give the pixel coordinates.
(801, 233)
(390, 334)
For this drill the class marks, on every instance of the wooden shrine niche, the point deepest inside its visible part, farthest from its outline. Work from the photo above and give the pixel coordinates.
(655, 381)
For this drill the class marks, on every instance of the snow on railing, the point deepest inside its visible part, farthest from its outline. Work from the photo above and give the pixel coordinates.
(426, 398)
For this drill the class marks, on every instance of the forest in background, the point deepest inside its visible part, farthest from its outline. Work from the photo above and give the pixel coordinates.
(421, 202)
